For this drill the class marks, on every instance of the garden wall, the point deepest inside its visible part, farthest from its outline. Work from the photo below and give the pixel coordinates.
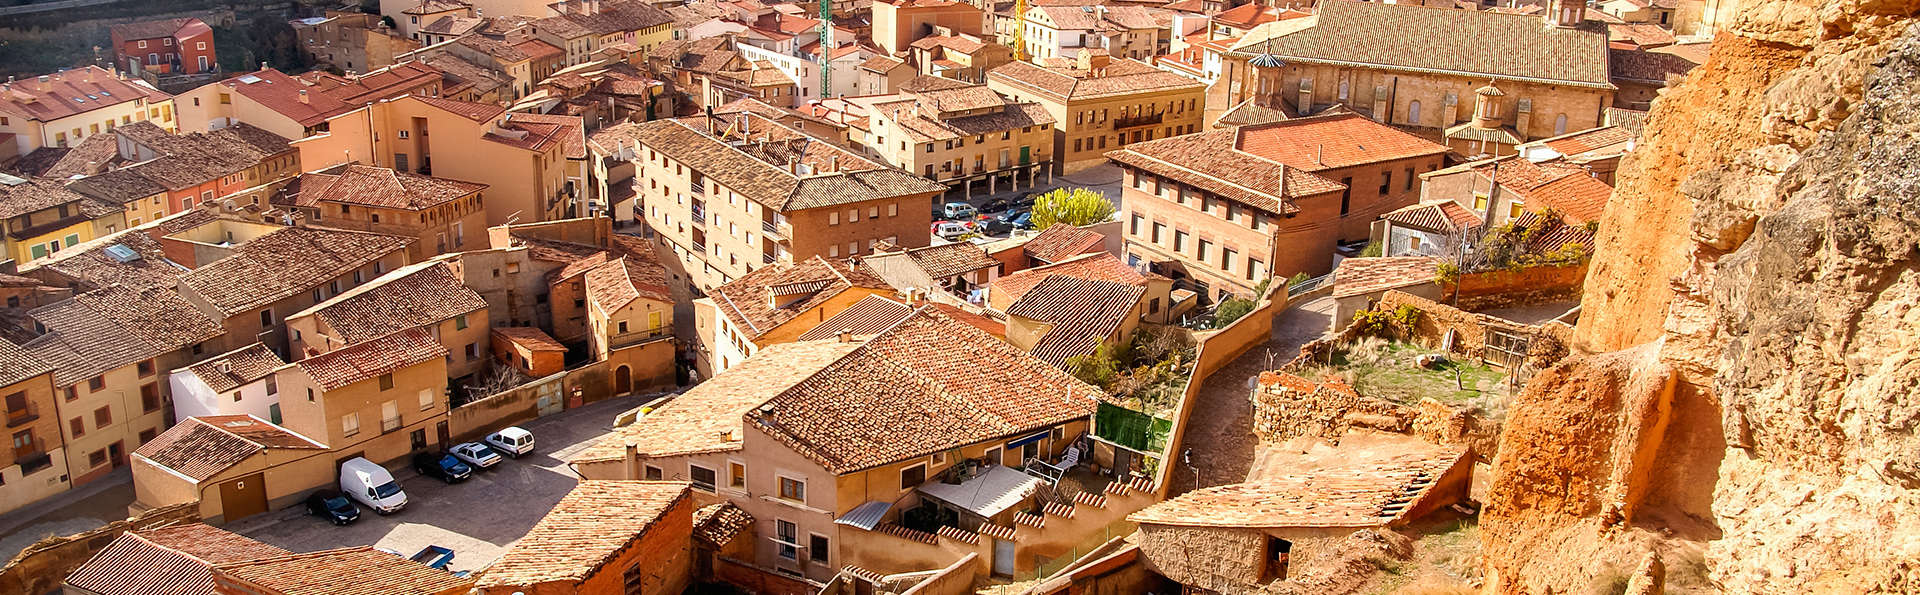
(650, 365)
(1503, 289)
(1216, 350)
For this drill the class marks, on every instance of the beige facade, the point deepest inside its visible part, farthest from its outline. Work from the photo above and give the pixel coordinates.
(524, 165)
(990, 145)
(1130, 105)
(106, 417)
(127, 104)
(896, 24)
(34, 465)
(383, 418)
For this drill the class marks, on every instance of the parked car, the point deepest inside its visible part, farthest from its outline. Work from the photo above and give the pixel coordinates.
(371, 484)
(441, 466)
(958, 210)
(996, 205)
(1024, 221)
(994, 226)
(951, 229)
(333, 506)
(434, 556)
(1025, 200)
(512, 441)
(476, 455)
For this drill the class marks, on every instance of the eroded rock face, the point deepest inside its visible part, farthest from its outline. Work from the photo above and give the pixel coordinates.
(1763, 249)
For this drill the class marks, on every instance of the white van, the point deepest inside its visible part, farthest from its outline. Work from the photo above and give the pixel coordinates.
(512, 441)
(371, 485)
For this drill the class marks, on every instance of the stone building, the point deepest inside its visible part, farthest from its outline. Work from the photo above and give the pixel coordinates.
(1102, 105)
(1481, 81)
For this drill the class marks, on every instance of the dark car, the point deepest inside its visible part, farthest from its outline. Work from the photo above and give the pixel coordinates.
(1024, 200)
(333, 506)
(994, 226)
(441, 466)
(996, 205)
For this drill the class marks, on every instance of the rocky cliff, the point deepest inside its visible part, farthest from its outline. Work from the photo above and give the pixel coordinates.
(1748, 414)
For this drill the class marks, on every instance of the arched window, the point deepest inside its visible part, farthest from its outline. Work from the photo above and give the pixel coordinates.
(1560, 125)
(1413, 112)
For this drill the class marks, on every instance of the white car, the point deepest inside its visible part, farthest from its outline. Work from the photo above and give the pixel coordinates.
(476, 454)
(512, 441)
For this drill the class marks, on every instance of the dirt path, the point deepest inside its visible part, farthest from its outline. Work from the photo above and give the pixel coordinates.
(1221, 431)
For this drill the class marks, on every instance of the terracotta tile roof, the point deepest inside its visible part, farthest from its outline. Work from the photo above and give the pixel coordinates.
(928, 385)
(16, 365)
(1443, 40)
(748, 304)
(585, 530)
(882, 64)
(174, 27)
(1649, 66)
(119, 186)
(283, 263)
(1061, 242)
(972, 318)
(867, 317)
(233, 369)
(638, 273)
(347, 571)
(1577, 198)
(175, 560)
(20, 197)
(952, 260)
(280, 93)
(1360, 276)
(89, 267)
(367, 359)
(451, 25)
(1574, 144)
(1208, 160)
(1121, 77)
(433, 6)
(1363, 494)
(1246, 16)
(497, 49)
(1640, 34)
(113, 327)
(1101, 266)
(1333, 142)
(382, 187)
(1447, 216)
(203, 446)
(91, 156)
(1083, 313)
(76, 91)
(1553, 234)
(717, 524)
(708, 417)
(478, 112)
(529, 337)
(385, 83)
(572, 132)
(417, 295)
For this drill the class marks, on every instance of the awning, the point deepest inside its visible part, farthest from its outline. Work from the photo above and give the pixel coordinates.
(987, 494)
(865, 516)
(1030, 439)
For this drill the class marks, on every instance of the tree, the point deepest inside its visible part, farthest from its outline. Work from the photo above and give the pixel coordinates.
(1231, 309)
(1099, 368)
(1072, 206)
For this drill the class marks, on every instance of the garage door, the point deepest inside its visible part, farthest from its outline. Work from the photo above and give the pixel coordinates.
(243, 497)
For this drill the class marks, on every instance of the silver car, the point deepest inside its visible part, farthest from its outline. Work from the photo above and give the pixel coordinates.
(480, 456)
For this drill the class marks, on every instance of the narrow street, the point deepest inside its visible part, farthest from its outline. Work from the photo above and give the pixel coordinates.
(1221, 431)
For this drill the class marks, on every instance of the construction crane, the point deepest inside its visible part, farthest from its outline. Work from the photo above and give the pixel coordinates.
(826, 49)
(1020, 29)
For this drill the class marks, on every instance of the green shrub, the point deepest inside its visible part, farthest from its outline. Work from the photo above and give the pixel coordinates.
(1230, 310)
(1072, 206)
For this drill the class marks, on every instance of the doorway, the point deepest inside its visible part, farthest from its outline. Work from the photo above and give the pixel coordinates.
(440, 432)
(622, 380)
(243, 497)
(117, 452)
(1003, 558)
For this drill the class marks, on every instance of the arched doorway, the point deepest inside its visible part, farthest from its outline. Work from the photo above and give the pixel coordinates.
(622, 380)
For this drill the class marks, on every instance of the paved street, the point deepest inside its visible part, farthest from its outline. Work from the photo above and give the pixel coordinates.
(478, 519)
(1222, 422)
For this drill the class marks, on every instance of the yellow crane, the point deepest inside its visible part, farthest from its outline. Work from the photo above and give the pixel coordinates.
(1019, 29)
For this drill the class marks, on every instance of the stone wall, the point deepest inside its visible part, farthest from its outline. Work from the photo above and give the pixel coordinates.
(43, 566)
(651, 362)
(756, 580)
(1217, 349)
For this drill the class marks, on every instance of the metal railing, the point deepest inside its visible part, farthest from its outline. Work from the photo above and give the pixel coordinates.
(700, 247)
(1145, 120)
(619, 340)
(19, 417)
(1306, 286)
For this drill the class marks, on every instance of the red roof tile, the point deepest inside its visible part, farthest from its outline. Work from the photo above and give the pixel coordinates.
(586, 529)
(202, 447)
(368, 359)
(1103, 266)
(1061, 242)
(347, 571)
(172, 561)
(1333, 142)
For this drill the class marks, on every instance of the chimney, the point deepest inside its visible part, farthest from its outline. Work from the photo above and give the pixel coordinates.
(633, 460)
(709, 119)
(846, 335)
(1319, 154)
(303, 96)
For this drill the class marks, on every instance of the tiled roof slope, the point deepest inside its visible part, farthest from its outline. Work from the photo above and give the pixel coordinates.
(1121, 77)
(1365, 494)
(383, 187)
(1061, 242)
(367, 359)
(201, 447)
(175, 560)
(281, 93)
(745, 301)
(76, 91)
(928, 385)
(1444, 40)
(1103, 266)
(840, 176)
(89, 267)
(1210, 161)
(232, 369)
(586, 529)
(28, 196)
(16, 365)
(717, 524)
(115, 326)
(1445, 216)
(1083, 312)
(1360, 276)
(1333, 141)
(283, 263)
(707, 417)
(347, 571)
(416, 295)
(869, 316)
(949, 260)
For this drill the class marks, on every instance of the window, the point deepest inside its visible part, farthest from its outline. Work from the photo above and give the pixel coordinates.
(1278, 550)
(1346, 195)
(96, 384)
(426, 399)
(1137, 222)
(652, 473)
(787, 535)
(1413, 112)
(98, 458)
(1226, 259)
(386, 381)
(1479, 202)
(1406, 180)
(737, 475)
(833, 218)
(793, 488)
(1254, 268)
(1179, 241)
(893, 209)
(1560, 125)
(102, 417)
(273, 385)
(817, 548)
(473, 351)
(77, 426)
(1205, 248)
(853, 215)
(460, 322)
(913, 475)
(150, 398)
(703, 478)
(1514, 209)
(1159, 229)
(266, 317)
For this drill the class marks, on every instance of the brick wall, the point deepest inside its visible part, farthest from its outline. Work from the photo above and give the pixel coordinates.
(1534, 285)
(43, 566)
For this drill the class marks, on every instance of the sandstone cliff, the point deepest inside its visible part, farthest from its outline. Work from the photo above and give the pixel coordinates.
(1760, 266)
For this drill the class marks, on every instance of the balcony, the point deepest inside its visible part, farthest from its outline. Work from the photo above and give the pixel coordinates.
(700, 247)
(1135, 121)
(699, 213)
(781, 231)
(622, 340)
(768, 259)
(21, 417)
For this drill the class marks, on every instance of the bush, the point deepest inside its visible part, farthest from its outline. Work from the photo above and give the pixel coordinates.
(1072, 206)
(1230, 310)
(1373, 250)
(1099, 368)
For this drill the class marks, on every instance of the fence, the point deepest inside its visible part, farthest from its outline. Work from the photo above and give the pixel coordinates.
(1306, 286)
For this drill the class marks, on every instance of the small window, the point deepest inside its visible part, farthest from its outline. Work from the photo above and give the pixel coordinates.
(386, 381)
(77, 426)
(794, 489)
(736, 475)
(146, 368)
(703, 478)
(652, 473)
(96, 384)
(150, 398)
(913, 475)
(817, 548)
(102, 417)
(460, 322)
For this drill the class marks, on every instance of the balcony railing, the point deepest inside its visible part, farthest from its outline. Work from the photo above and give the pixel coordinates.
(20, 417)
(780, 231)
(389, 424)
(1144, 120)
(700, 247)
(699, 214)
(619, 340)
(768, 258)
